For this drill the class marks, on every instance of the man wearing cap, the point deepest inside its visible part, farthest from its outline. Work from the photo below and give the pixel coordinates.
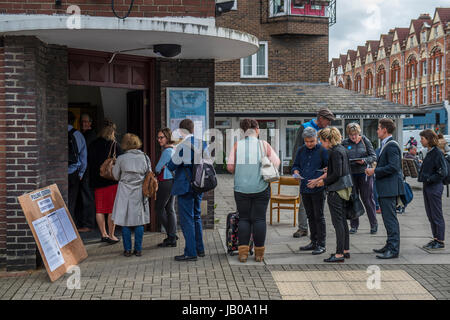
(323, 120)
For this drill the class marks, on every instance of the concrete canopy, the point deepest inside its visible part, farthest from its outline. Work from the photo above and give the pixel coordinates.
(198, 40)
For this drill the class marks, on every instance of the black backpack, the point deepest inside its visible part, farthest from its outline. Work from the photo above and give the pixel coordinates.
(73, 147)
(203, 174)
(447, 177)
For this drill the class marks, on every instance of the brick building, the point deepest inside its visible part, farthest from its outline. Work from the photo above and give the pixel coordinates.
(412, 67)
(54, 58)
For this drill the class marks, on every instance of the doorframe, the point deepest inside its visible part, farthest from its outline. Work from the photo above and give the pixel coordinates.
(148, 87)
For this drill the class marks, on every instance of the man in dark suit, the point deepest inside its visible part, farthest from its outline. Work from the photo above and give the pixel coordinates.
(389, 186)
(189, 209)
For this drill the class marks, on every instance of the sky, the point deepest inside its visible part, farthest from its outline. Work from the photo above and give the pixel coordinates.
(362, 20)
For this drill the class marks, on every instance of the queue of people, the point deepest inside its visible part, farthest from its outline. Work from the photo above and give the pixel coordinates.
(326, 165)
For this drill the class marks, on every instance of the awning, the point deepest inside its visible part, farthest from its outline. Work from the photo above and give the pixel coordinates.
(303, 99)
(198, 40)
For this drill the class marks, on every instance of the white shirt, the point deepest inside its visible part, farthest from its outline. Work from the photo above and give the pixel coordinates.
(385, 140)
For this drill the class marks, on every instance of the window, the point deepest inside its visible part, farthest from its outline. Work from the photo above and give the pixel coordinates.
(437, 64)
(424, 68)
(277, 7)
(291, 133)
(424, 37)
(256, 66)
(424, 95)
(414, 97)
(436, 32)
(438, 97)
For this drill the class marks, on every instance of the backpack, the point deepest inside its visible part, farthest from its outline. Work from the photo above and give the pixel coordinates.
(73, 147)
(447, 177)
(203, 177)
(150, 185)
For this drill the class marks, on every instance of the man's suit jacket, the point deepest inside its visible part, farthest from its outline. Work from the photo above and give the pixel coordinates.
(388, 172)
(183, 171)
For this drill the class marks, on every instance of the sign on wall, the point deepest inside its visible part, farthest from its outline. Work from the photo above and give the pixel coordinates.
(188, 103)
(53, 229)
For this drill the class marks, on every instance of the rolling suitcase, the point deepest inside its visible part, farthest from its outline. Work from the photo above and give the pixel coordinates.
(232, 234)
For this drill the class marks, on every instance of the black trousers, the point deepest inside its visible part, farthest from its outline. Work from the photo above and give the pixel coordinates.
(364, 187)
(165, 207)
(74, 186)
(85, 208)
(432, 196)
(252, 208)
(387, 205)
(314, 204)
(339, 219)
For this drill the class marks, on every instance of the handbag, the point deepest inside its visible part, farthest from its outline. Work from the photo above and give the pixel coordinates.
(150, 185)
(268, 170)
(108, 164)
(353, 207)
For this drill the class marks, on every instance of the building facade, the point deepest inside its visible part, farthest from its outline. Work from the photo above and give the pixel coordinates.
(94, 58)
(411, 67)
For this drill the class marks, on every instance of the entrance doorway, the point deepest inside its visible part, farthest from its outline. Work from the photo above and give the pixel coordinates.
(120, 89)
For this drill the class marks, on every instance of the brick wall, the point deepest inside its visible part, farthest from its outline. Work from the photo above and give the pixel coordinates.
(302, 55)
(2, 159)
(141, 8)
(36, 138)
(186, 73)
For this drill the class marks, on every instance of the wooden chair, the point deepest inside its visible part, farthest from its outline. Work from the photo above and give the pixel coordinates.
(282, 201)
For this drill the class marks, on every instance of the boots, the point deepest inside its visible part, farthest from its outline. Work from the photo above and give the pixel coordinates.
(243, 253)
(259, 254)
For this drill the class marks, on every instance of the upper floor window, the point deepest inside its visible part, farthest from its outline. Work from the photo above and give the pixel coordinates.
(437, 64)
(295, 7)
(436, 32)
(424, 37)
(256, 66)
(424, 68)
(424, 95)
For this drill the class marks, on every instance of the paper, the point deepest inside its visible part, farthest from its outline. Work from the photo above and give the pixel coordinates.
(45, 205)
(48, 243)
(62, 227)
(40, 194)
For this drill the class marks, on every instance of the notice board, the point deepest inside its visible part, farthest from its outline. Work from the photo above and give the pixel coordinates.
(53, 229)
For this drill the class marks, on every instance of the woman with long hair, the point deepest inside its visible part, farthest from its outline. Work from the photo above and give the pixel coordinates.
(431, 174)
(105, 190)
(165, 201)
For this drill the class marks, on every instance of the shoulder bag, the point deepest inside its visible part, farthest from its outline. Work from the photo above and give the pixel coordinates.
(268, 170)
(150, 185)
(108, 164)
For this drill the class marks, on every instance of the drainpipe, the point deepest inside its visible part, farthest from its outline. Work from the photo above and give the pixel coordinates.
(444, 67)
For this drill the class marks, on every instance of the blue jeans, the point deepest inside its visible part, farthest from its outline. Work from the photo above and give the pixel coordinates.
(189, 211)
(138, 235)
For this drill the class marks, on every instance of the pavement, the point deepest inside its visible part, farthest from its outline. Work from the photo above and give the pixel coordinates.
(286, 273)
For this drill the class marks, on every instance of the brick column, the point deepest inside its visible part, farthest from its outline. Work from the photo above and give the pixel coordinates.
(187, 73)
(2, 159)
(36, 139)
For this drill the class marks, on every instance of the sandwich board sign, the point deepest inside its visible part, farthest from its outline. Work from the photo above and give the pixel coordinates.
(56, 235)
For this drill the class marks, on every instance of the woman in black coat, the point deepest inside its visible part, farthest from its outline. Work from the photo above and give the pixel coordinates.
(432, 173)
(105, 190)
(339, 184)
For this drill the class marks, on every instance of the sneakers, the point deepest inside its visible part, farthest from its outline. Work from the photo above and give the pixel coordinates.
(353, 231)
(434, 245)
(300, 233)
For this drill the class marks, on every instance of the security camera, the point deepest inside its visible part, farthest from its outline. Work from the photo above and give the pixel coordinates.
(223, 6)
(167, 50)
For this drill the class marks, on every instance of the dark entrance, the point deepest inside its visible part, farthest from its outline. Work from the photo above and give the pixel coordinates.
(122, 91)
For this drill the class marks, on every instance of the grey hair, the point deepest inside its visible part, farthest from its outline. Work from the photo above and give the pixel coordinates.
(86, 114)
(309, 132)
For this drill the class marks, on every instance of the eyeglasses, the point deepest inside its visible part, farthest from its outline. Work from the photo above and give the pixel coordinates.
(161, 137)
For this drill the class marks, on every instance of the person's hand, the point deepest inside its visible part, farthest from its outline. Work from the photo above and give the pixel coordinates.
(312, 183)
(360, 162)
(320, 183)
(325, 170)
(370, 171)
